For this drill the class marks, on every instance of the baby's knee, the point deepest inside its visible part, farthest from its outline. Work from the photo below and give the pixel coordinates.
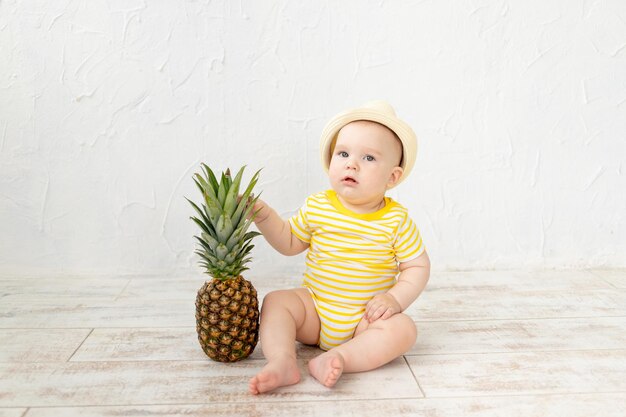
(281, 299)
(274, 297)
(271, 295)
(405, 326)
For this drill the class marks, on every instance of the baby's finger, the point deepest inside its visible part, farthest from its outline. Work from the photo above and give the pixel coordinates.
(370, 307)
(387, 314)
(377, 312)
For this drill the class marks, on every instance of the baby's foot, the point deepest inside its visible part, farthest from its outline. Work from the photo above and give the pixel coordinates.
(327, 368)
(277, 373)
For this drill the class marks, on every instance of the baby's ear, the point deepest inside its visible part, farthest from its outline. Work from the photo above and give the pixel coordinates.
(395, 176)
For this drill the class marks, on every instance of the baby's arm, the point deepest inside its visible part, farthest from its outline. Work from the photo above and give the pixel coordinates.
(276, 230)
(411, 282)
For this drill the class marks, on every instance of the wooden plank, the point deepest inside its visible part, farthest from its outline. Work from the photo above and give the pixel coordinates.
(141, 344)
(520, 335)
(615, 277)
(503, 304)
(40, 345)
(77, 313)
(45, 289)
(520, 373)
(577, 405)
(12, 412)
(181, 382)
(162, 288)
(185, 288)
(515, 280)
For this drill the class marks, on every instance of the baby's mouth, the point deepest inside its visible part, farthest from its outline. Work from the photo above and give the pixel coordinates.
(349, 180)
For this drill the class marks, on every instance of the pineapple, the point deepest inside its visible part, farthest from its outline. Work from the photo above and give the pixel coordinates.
(227, 308)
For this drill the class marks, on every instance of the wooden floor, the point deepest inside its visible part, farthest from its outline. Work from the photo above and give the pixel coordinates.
(491, 344)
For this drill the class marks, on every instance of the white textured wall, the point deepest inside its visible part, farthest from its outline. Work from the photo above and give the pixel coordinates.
(108, 107)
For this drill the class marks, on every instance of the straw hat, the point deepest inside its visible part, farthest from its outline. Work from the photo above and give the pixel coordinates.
(376, 111)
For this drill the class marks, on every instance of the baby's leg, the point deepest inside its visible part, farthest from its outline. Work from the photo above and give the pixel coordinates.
(286, 316)
(373, 345)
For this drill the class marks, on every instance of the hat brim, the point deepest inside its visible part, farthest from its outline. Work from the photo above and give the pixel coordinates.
(401, 129)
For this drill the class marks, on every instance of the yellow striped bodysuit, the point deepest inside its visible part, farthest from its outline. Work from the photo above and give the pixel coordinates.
(351, 258)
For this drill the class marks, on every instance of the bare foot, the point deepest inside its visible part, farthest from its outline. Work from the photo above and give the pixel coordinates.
(327, 368)
(277, 373)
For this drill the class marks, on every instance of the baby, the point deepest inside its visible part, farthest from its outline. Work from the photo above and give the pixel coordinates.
(365, 264)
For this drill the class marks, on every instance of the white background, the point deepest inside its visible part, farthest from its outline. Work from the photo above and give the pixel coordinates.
(107, 108)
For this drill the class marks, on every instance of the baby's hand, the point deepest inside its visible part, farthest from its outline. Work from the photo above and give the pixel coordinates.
(261, 210)
(381, 306)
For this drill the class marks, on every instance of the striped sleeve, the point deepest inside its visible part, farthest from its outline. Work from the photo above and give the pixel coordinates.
(300, 225)
(408, 244)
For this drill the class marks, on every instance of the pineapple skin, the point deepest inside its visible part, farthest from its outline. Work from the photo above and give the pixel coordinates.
(227, 319)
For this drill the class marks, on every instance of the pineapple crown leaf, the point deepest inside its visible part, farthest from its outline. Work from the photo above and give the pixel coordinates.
(223, 218)
(246, 201)
(211, 178)
(221, 190)
(233, 191)
(200, 223)
(211, 207)
(204, 222)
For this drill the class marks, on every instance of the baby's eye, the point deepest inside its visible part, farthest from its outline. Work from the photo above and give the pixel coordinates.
(369, 158)
(343, 154)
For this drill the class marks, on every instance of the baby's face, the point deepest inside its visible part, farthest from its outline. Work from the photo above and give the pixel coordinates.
(364, 163)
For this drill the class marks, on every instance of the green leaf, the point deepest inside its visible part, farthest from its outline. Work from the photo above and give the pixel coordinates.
(230, 258)
(233, 192)
(246, 224)
(209, 196)
(246, 251)
(200, 223)
(224, 228)
(212, 242)
(221, 251)
(249, 209)
(200, 183)
(204, 186)
(234, 239)
(205, 220)
(205, 247)
(221, 191)
(228, 179)
(212, 260)
(252, 182)
(243, 204)
(211, 178)
(213, 208)
(251, 235)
